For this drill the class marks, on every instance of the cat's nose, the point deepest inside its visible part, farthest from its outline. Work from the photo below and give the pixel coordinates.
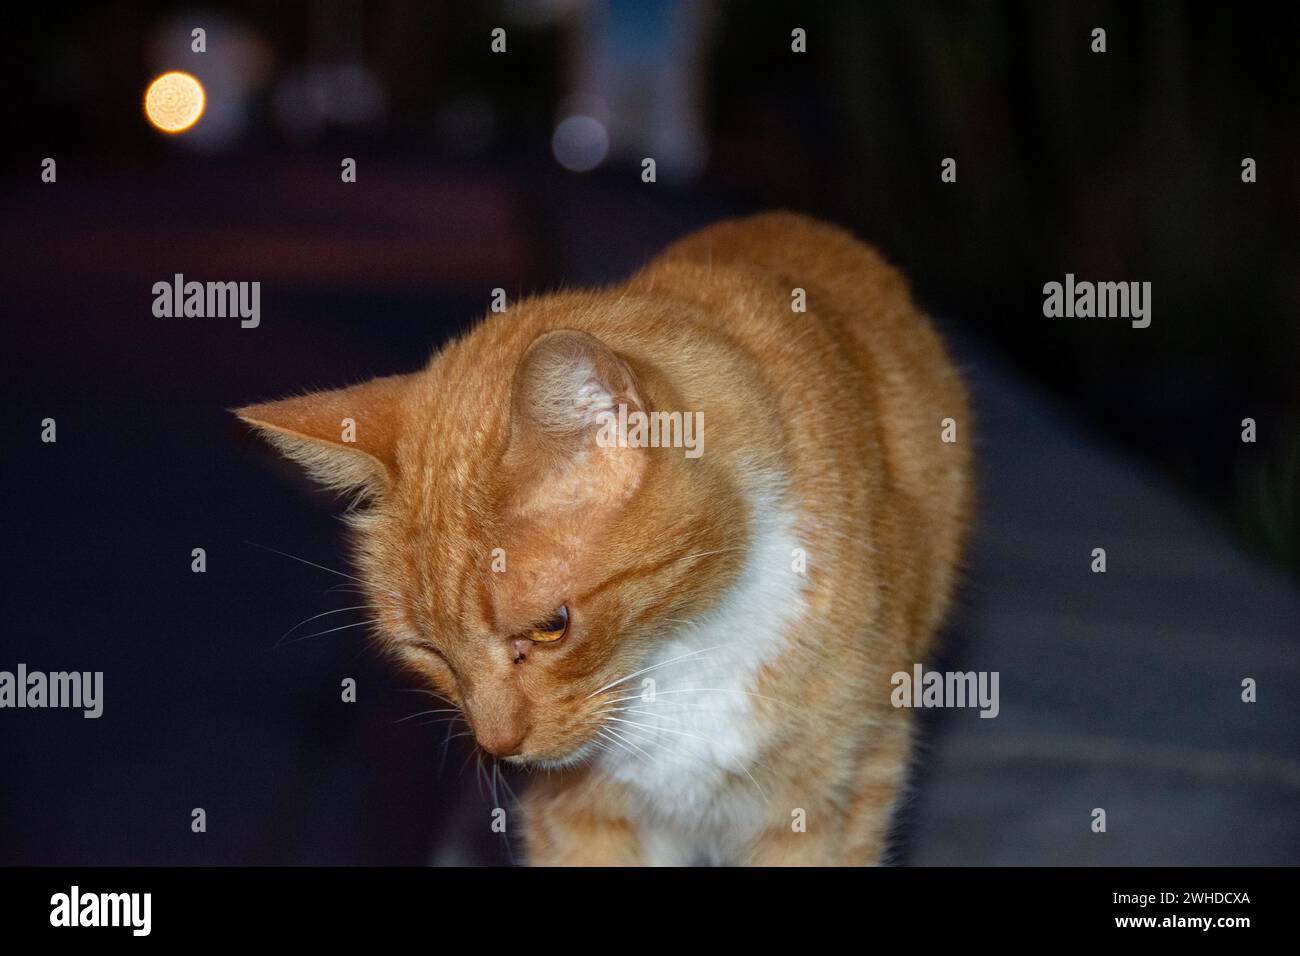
(501, 741)
(499, 718)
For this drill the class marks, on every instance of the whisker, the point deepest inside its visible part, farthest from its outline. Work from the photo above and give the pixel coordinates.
(449, 721)
(699, 758)
(355, 607)
(655, 701)
(647, 713)
(607, 735)
(703, 690)
(630, 745)
(479, 772)
(601, 748)
(425, 690)
(465, 764)
(363, 586)
(365, 589)
(294, 557)
(425, 713)
(505, 782)
(652, 667)
(343, 627)
(680, 733)
(446, 745)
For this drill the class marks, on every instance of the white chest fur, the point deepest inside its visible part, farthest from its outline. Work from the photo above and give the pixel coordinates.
(687, 740)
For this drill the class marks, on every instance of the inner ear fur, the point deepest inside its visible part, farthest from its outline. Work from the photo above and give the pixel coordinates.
(344, 438)
(565, 386)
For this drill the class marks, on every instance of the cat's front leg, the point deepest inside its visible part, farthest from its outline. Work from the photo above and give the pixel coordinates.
(783, 846)
(832, 838)
(845, 832)
(577, 824)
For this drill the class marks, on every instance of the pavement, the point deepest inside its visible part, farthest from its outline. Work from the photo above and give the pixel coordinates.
(1119, 690)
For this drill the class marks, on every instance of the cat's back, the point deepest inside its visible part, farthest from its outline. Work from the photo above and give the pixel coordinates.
(844, 285)
(866, 385)
(807, 284)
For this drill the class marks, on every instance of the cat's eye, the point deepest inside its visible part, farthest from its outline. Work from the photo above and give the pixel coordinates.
(552, 629)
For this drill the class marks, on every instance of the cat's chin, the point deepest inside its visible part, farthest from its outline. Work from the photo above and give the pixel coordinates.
(581, 754)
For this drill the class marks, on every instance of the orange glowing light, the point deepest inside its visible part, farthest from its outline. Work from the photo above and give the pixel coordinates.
(174, 102)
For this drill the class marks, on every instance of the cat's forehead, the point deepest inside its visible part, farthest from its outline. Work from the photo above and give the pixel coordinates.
(449, 540)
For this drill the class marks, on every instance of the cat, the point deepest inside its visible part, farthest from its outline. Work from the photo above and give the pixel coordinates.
(697, 650)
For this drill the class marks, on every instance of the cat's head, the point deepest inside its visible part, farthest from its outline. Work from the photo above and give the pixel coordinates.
(519, 550)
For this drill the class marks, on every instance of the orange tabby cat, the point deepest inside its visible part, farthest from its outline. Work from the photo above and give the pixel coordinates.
(695, 637)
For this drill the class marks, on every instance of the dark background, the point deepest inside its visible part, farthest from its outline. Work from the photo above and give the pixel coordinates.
(1120, 691)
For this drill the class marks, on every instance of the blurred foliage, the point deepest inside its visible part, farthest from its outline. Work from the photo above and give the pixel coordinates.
(1119, 166)
(1268, 503)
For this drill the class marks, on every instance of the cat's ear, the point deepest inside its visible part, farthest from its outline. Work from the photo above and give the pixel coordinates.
(569, 445)
(343, 438)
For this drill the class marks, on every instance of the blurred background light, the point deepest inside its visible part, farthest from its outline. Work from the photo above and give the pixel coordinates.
(309, 100)
(233, 69)
(580, 143)
(174, 102)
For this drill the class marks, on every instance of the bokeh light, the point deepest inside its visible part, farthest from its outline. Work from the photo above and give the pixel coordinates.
(174, 102)
(580, 143)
